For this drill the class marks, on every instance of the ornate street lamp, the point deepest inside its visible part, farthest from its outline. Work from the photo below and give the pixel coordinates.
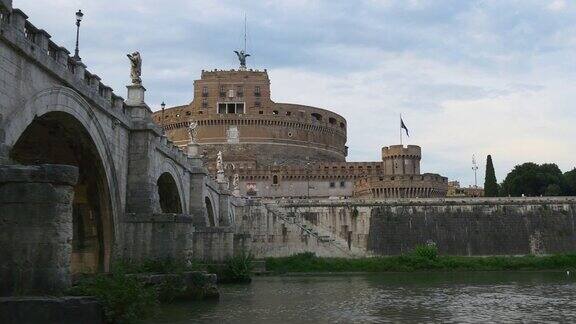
(79, 16)
(163, 105)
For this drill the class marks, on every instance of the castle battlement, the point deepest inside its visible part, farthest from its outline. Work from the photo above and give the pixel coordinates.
(400, 150)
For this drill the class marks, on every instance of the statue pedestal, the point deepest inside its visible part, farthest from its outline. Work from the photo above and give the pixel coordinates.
(193, 150)
(138, 109)
(220, 178)
(135, 95)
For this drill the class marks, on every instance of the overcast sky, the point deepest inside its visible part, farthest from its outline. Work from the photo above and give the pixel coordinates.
(469, 77)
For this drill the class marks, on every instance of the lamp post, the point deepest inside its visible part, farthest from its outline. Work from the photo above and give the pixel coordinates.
(163, 106)
(79, 16)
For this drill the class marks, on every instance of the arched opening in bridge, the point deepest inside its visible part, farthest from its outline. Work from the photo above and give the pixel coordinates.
(168, 193)
(210, 210)
(59, 138)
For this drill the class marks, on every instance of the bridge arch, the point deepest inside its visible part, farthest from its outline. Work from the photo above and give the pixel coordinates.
(168, 194)
(171, 187)
(210, 210)
(57, 126)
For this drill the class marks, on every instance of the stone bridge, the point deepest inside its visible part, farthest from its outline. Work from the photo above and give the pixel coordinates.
(87, 177)
(132, 193)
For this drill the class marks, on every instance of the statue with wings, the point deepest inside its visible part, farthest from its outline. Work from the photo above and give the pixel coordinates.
(242, 58)
(135, 67)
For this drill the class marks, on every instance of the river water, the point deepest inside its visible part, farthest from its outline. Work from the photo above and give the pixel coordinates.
(464, 297)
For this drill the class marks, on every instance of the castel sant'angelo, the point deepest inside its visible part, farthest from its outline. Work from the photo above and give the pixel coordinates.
(274, 150)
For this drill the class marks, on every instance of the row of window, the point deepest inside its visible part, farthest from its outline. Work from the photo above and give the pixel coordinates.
(332, 183)
(231, 108)
(231, 93)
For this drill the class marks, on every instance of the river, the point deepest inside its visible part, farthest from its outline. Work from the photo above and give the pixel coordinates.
(463, 297)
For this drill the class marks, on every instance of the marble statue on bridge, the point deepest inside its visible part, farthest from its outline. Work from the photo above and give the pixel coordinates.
(135, 67)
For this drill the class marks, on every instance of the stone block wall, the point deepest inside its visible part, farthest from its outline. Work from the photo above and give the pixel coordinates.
(479, 229)
(158, 236)
(213, 243)
(36, 228)
(288, 229)
(459, 226)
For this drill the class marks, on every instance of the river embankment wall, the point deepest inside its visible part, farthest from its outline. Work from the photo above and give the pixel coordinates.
(369, 227)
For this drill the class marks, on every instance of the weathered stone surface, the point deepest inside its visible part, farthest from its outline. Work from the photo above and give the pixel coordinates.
(459, 226)
(36, 231)
(50, 310)
(187, 285)
(50, 173)
(150, 236)
(474, 230)
(69, 107)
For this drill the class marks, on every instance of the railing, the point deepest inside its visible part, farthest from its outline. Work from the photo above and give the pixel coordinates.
(15, 25)
(53, 51)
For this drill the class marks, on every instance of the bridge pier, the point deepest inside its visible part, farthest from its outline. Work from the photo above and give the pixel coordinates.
(36, 231)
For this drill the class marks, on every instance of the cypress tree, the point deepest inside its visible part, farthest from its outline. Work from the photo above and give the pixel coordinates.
(490, 184)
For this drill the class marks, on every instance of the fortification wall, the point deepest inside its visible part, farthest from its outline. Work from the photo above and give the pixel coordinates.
(459, 226)
(470, 228)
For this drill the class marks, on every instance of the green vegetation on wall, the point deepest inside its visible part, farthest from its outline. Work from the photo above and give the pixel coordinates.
(419, 260)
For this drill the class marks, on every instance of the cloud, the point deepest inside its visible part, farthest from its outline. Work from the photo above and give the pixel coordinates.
(470, 77)
(557, 5)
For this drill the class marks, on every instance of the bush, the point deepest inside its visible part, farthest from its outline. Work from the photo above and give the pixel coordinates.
(124, 298)
(428, 251)
(237, 269)
(423, 258)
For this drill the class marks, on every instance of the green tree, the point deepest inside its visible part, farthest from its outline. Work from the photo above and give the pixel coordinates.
(531, 179)
(570, 179)
(490, 184)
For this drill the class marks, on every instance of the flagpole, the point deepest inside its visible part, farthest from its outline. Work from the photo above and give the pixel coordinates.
(401, 129)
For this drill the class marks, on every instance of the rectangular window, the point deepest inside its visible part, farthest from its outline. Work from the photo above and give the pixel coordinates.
(204, 91)
(257, 91)
(204, 103)
(257, 104)
(221, 108)
(240, 108)
(332, 184)
(240, 91)
(342, 184)
(230, 107)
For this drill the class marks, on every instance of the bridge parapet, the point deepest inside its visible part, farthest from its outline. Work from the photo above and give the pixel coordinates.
(35, 43)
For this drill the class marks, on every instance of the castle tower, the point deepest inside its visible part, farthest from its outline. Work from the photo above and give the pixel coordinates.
(401, 160)
(236, 115)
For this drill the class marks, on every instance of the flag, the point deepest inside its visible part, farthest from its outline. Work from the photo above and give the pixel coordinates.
(402, 125)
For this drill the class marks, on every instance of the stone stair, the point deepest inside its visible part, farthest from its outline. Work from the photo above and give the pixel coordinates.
(325, 236)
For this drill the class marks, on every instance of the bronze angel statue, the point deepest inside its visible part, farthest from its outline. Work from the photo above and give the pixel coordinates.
(242, 58)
